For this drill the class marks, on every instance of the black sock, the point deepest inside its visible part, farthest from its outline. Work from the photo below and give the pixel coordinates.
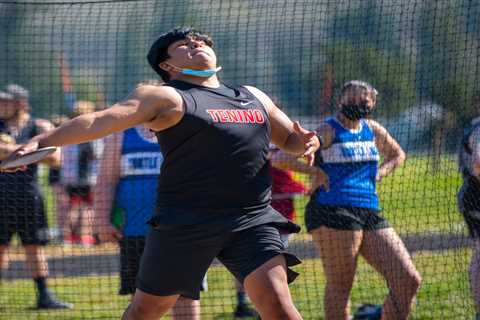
(241, 298)
(41, 283)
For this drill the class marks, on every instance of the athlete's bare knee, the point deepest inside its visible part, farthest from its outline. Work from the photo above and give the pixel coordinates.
(276, 306)
(138, 311)
(145, 311)
(407, 285)
(413, 281)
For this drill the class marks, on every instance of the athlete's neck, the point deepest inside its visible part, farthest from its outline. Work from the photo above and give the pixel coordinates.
(347, 123)
(210, 82)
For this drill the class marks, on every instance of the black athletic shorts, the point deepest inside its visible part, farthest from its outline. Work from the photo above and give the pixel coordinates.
(176, 258)
(23, 214)
(342, 218)
(131, 249)
(469, 205)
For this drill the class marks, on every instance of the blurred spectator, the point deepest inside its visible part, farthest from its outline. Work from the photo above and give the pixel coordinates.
(78, 175)
(21, 201)
(469, 196)
(285, 188)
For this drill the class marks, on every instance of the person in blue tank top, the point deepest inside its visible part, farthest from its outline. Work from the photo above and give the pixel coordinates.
(345, 220)
(128, 173)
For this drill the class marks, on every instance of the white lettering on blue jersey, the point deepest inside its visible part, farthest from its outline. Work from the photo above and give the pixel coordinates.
(351, 151)
(141, 163)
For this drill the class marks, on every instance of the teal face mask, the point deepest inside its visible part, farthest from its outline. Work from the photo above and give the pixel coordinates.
(197, 73)
(200, 73)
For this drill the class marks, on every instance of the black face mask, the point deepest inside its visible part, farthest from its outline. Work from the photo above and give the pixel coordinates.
(354, 112)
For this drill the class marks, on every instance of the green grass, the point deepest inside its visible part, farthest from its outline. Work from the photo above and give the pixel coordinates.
(443, 295)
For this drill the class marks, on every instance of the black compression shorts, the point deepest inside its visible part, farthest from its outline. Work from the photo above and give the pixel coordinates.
(176, 259)
(343, 218)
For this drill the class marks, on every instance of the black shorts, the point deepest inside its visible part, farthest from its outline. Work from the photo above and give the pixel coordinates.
(342, 218)
(469, 206)
(23, 214)
(176, 259)
(131, 249)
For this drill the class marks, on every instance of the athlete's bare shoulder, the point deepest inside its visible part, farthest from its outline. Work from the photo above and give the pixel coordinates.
(262, 96)
(377, 128)
(166, 103)
(162, 95)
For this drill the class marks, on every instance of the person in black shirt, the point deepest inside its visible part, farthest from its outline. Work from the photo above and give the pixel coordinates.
(21, 201)
(214, 187)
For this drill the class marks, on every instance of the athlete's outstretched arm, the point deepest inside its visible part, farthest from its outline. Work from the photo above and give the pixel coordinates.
(286, 134)
(393, 154)
(144, 105)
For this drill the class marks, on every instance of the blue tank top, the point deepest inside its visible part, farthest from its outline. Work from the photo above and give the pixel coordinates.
(136, 191)
(351, 164)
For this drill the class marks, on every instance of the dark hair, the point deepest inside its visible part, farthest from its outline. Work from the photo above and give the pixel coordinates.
(158, 51)
(359, 84)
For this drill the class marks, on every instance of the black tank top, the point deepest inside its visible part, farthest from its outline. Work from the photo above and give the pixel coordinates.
(22, 181)
(215, 167)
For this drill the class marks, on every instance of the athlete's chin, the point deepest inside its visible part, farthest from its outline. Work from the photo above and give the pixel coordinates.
(203, 59)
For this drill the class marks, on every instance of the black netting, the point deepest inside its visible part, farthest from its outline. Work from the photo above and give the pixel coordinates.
(421, 56)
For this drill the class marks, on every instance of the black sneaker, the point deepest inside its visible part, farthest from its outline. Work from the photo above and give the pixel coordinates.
(49, 301)
(368, 312)
(244, 311)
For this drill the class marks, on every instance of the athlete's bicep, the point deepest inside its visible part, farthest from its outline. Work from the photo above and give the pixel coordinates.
(141, 106)
(144, 104)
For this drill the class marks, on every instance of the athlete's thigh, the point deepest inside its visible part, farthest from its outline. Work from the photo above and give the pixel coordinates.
(338, 250)
(387, 253)
(175, 260)
(249, 249)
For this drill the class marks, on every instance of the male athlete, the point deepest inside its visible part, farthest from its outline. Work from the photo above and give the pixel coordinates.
(213, 196)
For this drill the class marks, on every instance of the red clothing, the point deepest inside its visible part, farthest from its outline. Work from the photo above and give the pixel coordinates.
(284, 187)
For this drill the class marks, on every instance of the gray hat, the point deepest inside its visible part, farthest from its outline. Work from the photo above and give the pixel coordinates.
(18, 92)
(6, 96)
